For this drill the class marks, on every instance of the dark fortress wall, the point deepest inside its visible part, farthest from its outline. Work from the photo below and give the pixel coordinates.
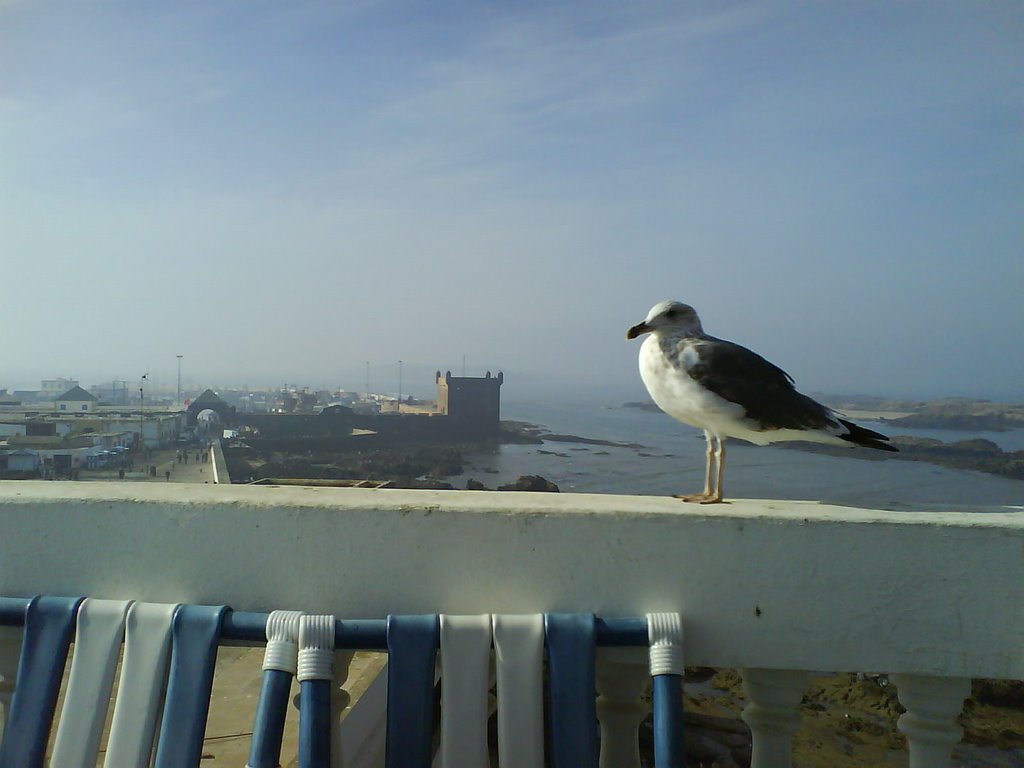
(392, 430)
(471, 401)
(333, 432)
(334, 423)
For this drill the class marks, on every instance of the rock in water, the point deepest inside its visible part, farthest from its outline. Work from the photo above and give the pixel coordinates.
(530, 483)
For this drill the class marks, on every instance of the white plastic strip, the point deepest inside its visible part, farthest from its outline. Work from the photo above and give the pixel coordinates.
(98, 634)
(519, 660)
(282, 641)
(140, 692)
(665, 633)
(316, 648)
(465, 681)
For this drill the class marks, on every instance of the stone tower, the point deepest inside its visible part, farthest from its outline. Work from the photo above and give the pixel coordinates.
(472, 401)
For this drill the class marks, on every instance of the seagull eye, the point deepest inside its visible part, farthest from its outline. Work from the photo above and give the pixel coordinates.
(671, 313)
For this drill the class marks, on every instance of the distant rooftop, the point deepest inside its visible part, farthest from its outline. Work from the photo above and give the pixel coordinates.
(209, 397)
(78, 394)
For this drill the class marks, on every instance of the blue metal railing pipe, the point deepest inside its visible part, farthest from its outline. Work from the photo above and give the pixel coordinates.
(351, 634)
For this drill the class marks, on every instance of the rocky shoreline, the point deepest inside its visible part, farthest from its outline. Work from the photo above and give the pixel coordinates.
(417, 466)
(423, 465)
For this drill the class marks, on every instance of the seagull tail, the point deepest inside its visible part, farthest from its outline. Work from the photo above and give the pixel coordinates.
(866, 437)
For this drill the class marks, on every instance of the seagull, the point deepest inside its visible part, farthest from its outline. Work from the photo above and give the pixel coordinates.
(729, 391)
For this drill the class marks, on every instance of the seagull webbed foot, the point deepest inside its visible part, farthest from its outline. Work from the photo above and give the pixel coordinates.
(698, 498)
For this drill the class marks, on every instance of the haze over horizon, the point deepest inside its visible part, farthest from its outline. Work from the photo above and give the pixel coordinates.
(281, 191)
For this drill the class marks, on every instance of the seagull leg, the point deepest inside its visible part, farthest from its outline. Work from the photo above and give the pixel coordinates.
(716, 497)
(707, 496)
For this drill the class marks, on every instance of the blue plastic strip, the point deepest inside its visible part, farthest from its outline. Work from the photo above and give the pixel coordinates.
(194, 635)
(412, 652)
(49, 627)
(572, 689)
(12, 611)
(315, 724)
(268, 725)
(667, 696)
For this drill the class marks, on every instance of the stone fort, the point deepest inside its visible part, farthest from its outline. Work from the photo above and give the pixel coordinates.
(471, 400)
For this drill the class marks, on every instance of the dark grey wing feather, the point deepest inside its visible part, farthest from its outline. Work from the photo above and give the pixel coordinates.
(765, 391)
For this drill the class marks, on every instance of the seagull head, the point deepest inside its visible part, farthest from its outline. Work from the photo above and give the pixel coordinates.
(671, 317)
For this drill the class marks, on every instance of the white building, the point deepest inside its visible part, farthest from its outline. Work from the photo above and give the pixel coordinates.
(75, 400)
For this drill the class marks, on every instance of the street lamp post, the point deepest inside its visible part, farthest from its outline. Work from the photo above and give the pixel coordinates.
(142, 411)
(179, 379)
(399, 387)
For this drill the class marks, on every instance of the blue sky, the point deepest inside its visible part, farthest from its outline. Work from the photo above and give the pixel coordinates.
(281, 191)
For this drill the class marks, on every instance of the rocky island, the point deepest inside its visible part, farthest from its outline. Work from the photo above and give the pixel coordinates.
(960, 413)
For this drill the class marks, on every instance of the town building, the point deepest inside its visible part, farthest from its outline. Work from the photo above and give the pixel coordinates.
(75, 400)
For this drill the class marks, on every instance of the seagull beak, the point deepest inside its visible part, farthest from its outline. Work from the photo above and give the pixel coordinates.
(638, 330)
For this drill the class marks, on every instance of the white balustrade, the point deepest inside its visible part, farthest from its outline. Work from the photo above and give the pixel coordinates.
(362, 735)
(339, 699)
(769, 585)
(10, 650)
(622, 675)
(772, 713)
(933, 705)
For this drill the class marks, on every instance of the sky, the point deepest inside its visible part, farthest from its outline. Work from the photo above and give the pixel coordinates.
(285, 191)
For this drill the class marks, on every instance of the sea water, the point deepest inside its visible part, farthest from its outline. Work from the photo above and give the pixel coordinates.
(671, 461)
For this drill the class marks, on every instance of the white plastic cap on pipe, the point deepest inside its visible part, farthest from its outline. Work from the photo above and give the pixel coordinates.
(665, 632)
(316, 648)
(282, 641)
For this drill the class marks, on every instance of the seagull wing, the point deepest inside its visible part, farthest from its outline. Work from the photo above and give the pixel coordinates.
(764, 390)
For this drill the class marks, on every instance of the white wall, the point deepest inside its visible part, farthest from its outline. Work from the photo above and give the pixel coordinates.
(74, 406)
(792, 585)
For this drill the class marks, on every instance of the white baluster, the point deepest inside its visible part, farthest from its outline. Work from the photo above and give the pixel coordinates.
(774, 695)
(933, 705)
(622, 674)
(10, 651)
(339, 700)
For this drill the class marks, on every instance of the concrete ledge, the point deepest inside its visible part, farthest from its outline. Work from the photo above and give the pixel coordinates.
(218, 465)
(776, 584)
